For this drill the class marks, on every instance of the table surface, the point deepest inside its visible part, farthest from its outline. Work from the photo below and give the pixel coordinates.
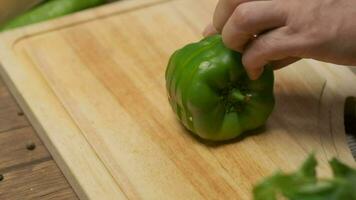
(27, 170)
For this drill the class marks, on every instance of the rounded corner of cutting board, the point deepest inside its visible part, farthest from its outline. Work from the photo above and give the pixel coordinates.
(12, 37)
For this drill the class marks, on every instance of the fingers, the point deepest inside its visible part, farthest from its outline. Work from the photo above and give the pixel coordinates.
(249, 19)
(240, 21)
(209, 30)
(223, 11)
(272, 46)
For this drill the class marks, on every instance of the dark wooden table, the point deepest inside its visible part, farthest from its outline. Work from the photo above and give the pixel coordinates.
(27, 170)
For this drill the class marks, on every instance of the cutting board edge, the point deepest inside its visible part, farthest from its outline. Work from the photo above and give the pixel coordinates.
(7, 60)
(16, 35)
(67, 167)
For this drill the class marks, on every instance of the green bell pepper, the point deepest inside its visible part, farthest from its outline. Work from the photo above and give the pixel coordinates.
(50, 10)
(209, 90)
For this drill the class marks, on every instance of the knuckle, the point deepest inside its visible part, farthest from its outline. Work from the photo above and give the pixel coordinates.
(266, 43)
(289, 30)
(242, 15)
(314, 37)
(272, 46)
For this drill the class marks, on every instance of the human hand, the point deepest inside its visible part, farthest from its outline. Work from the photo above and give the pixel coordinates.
(282, 31)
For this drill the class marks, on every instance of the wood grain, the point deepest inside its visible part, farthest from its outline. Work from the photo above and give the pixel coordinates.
(17, 163)
(11, 116)
(104, 114)
(13, 148)
(41, 181)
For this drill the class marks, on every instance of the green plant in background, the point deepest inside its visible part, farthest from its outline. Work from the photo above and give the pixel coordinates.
(49, 10)
(304, 185)
(209, 90)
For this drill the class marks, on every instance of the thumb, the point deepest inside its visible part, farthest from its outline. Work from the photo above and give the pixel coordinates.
(272, 46)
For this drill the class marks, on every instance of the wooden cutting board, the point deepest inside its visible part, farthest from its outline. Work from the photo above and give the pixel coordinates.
(92, 84)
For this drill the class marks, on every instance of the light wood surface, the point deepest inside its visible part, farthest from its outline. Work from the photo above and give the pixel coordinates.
(27, 174)
(93, 86)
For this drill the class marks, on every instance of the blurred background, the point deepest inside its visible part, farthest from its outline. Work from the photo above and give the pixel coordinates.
(12, 8)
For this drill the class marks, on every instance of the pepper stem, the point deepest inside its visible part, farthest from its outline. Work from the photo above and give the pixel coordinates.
(237, 96)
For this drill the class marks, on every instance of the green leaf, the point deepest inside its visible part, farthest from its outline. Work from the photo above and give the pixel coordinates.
(304, 185)
(339, 169)
(307, 170)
